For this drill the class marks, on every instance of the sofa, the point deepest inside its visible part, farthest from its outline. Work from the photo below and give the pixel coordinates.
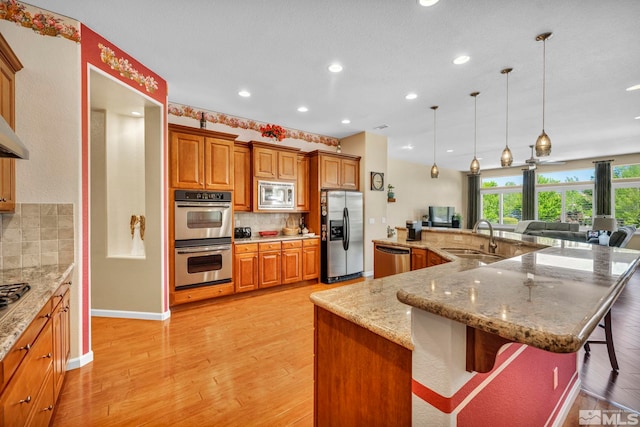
(554, 230)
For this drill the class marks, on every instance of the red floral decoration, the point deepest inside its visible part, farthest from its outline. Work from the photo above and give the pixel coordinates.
(273, 131)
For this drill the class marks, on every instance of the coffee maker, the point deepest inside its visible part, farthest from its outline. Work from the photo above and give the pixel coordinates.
(414, 230)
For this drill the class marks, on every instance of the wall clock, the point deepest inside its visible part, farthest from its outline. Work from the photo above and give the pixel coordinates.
(377, 181)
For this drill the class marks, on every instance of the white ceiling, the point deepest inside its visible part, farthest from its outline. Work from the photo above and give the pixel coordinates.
(279, 50)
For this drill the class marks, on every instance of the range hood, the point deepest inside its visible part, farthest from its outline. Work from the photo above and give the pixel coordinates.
(10, 144)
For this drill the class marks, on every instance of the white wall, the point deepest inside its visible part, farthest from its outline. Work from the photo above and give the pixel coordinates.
(415, 190)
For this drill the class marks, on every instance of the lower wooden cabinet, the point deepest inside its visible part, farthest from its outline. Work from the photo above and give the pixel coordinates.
(269, 265)
(418, 258)
(434, 259)
(33, 369)
(291, 261)
(246, 267)
(310, 259)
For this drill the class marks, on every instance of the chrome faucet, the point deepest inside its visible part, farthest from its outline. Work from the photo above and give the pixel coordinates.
(492, 241)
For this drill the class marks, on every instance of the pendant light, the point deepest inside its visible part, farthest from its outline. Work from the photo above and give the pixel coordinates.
(543, 143)
(475, 164)
(507, 158)
(434, 169)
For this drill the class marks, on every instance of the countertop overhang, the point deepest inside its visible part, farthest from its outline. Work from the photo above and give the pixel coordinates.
(551, 298)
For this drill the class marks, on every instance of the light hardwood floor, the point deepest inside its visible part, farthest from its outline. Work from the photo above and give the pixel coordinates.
(246, 362)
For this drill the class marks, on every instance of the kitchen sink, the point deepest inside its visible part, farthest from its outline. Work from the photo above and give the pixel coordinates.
(485, 257)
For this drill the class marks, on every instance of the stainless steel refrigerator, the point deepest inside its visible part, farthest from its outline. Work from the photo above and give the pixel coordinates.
(342, 235)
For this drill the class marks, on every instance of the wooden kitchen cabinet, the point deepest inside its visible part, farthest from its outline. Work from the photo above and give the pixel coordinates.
(246, 267)
(291, 261)
(33, 370)
(9, 66)
(269, 264)
(200, 159)
(418, 258)
(310, 259)
(242, 178)
(338, 171)
(274, 163)
(434, 259)
(302, 184)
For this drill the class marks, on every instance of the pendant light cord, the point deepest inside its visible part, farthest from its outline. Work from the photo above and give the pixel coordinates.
(434, 135)
(544, 78)
(507, 122)
(475, 123)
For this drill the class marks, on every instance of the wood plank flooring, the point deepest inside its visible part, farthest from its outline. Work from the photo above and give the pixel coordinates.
(249, 362)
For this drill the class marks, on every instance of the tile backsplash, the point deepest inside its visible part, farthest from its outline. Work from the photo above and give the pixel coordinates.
(265, 221)
(36, 235)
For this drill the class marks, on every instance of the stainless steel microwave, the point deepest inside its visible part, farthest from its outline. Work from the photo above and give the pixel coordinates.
(276, 195)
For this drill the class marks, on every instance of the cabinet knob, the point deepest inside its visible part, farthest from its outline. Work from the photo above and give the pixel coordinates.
(2, 199)
(68, 282)
(47, 316)
(26, 347)
(48, 408)
(47, 356)
(27, 400)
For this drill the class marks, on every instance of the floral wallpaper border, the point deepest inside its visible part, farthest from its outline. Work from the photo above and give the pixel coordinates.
(126, 70)
(238, 122)
(45, 24)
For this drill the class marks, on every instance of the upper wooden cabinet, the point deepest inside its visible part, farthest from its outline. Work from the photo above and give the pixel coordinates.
(241, 177)
(201, 159)
(302, 184)
(279, 163)
(339, 171)
(9, 66)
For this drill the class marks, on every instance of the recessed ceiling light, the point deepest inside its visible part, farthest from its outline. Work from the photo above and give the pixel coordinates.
(407, 147)
(427, 3)
(335, 68)
(462, 59)
(638, 118)
(136, 113)
(411, 96)
(346, 121)
(244, 93)
(449, 150)
(380, 127)
(634, 87)
(303, 109)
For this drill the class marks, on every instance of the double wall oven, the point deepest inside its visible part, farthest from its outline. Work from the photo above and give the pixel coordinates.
(202, 231)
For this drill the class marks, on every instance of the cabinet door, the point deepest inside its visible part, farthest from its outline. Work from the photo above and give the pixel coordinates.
(7, 185)
(7, 166)
(246, 272)
(242, 179)
(61, 345)
(329, 172)
(433, 259)
(187, 160)
(270, 267)
(349, 174)
(265, 163)
(292, 265)
(418, 258)
(302, 184)
(287, 165)
(219, 159)
(311, 259)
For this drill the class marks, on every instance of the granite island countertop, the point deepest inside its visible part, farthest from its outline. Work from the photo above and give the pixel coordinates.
(551, 297)
(17, 316)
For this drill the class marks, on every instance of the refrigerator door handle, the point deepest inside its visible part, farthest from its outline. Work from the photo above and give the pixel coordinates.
(347, 227)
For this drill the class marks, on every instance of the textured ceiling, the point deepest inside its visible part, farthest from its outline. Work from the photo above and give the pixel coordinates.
(279, 50)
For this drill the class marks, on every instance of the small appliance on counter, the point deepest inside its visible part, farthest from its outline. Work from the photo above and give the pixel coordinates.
(242, 232)
(414, 230)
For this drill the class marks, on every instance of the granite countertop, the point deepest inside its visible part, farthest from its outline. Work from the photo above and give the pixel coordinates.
(17, 316)
(278, 238)
(551, 297)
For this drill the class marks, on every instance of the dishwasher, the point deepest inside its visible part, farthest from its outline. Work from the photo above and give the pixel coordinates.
(389, 260)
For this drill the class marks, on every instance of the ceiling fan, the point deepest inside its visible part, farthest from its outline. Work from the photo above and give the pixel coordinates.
(533, 162)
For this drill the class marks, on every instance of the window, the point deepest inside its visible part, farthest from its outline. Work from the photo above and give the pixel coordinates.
(626, 194)
(501, 199)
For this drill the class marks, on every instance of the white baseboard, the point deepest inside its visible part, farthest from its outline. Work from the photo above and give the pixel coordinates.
(78, 362)
(568, 403)
(367, 274)
(140, 315)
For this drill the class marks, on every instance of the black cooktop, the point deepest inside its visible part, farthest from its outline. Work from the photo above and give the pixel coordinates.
(12, 292)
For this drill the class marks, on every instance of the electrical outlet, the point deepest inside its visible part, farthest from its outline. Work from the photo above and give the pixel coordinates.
(384, 220)
(372, 220)
(555, 378)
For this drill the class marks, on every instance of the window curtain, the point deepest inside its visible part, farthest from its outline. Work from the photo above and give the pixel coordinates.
(529, 194)
(473, 199)
(603, 187)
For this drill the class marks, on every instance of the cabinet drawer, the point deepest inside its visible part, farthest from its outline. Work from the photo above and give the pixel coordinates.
(310, 242)
(246, 248)
(19, 398)
(269, 246)
(289, 244)
(204, 292)
(27, 340)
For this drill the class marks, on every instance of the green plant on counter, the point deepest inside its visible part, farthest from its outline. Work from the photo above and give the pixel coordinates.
(457, 216)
